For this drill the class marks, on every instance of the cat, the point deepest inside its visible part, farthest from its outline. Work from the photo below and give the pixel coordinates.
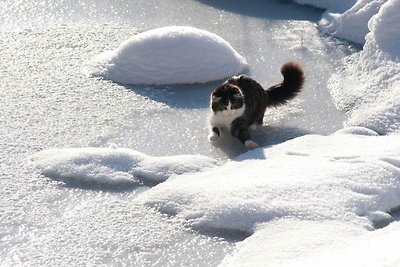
(239, 104)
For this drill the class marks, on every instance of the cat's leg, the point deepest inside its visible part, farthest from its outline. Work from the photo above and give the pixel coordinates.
(260, 118)
(215, 133)
(240, 130)
(258, 122)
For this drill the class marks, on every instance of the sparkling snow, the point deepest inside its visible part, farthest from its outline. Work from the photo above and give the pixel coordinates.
(343, 177)
(168, 55)
(115, 165)
(86, 164)
(368, 86)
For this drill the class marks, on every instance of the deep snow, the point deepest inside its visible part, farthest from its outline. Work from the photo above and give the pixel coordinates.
(341, 186)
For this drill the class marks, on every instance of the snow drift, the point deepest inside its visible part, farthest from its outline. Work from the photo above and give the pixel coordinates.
(294, 243)
(299, 199)
(368, 87)
(168, 55)
(114, 165)
(352, 24)
(343, 177)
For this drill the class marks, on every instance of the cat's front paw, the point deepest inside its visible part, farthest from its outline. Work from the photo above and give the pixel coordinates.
(213, 137)
(250, 144)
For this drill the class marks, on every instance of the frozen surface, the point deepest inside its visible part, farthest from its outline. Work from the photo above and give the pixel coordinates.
(168, 55)
(100, 219)
(338, 5)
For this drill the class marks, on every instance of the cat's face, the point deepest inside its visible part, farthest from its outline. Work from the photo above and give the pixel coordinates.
(227, 100)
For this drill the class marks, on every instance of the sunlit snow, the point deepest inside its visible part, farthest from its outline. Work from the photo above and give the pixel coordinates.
(168, 55)
(368, 85)
(115, 165)
(99, 172)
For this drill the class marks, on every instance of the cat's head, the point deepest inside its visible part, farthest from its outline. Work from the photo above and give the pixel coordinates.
(227, 99)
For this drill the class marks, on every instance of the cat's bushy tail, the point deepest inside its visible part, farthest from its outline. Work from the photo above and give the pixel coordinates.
(293, 80)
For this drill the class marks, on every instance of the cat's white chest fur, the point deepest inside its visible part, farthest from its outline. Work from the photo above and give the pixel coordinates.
(223, 119)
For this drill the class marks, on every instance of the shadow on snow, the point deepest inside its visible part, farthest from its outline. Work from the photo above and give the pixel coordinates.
(267, 9)
(186, 96)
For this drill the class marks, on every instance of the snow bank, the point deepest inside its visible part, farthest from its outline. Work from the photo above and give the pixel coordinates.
(301, 200)
(346, 19)
(353, 23)
(114, 165)
(311, 244)
(368, 87)
(168, 55)
(344, 177)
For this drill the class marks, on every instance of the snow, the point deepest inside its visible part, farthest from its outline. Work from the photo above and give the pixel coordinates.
(343, 177)
(312, 191)
(367, 88)
(309, 243)
(114, 165)
(323, 189)
(168, 55)
(353, 23)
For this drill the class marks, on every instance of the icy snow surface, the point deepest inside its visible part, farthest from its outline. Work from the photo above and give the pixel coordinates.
(115, 165)
(84, 201)
(168, 55)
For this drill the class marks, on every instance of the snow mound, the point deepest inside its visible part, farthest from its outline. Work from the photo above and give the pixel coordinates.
(384, 28)
(368, 87)
(168, 55)
(343, 177)
(311, 244)
(115, 165)
(352, 24)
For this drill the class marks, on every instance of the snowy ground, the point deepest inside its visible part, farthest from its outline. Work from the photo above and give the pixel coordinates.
(91, 210)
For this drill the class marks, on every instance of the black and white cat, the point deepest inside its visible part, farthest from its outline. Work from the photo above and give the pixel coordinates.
(239, 104)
